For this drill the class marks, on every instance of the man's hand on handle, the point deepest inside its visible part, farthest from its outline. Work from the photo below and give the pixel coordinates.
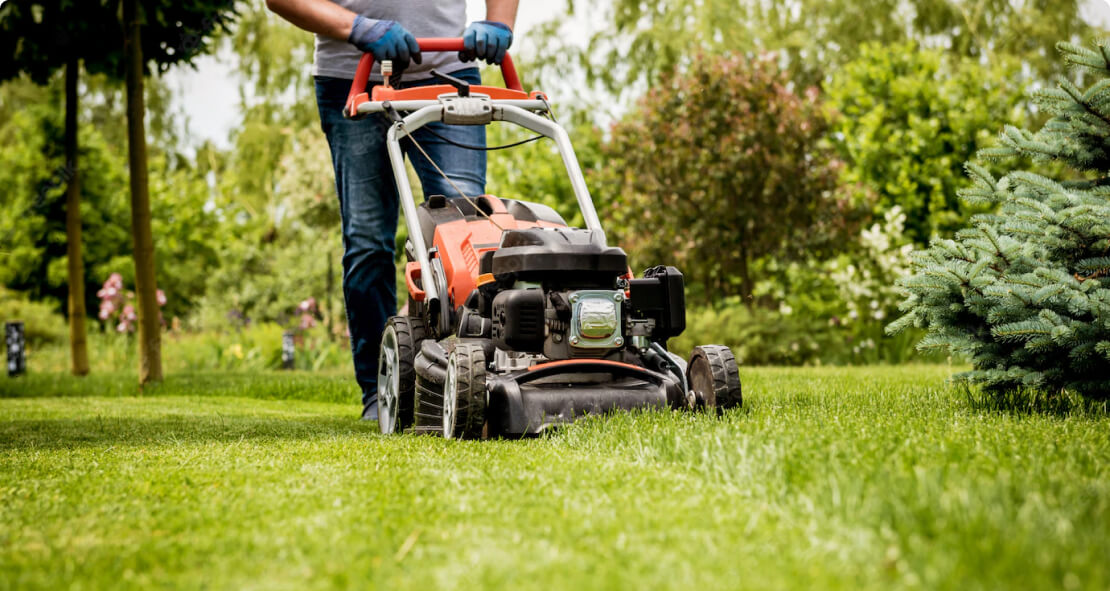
(386, 40)
(486, 40)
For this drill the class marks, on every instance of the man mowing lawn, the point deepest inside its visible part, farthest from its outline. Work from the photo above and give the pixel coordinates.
(345, 29)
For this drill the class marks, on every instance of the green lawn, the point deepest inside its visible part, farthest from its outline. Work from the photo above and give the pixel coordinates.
(827, 478)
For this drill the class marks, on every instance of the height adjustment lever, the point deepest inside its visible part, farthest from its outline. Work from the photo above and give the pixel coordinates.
(461, 85)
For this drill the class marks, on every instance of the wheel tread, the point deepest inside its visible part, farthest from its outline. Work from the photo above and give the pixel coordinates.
(727, 389)
(470, 403)
(409, 332)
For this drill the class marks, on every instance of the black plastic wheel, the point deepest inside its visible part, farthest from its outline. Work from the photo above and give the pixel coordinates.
(464, 392)
(714, 377)
(396, 378)
(431, 372)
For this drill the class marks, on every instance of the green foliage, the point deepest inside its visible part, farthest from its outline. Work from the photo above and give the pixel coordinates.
(272, 57)
(1024, 293)
(270, 260)
(256, 348)
(32, 214)
(253, 348)
(187, 232)
(275, 191)
(41, 322)
(38, 37)
(719, 167)
(32, 217)
(635, 43)
(759, 336)
(264, 281)
(909, 118)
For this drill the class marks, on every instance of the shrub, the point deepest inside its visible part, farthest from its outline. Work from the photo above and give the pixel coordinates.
(1025, 293)
(909, 118)
(718, 167)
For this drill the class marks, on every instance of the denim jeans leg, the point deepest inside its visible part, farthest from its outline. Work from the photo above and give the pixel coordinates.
(368, 208)
(466, 168)
(368, 204)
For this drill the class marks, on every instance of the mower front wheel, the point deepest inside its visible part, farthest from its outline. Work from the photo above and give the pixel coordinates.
(464, 392)
(396, 380)
(714, 377)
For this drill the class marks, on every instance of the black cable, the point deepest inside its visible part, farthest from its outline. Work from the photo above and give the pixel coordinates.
(482, 148)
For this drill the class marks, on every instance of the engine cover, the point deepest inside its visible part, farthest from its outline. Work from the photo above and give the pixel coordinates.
(559, 254)
(518, 320)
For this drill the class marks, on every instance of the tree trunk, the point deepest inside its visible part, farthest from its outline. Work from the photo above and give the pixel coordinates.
(78, 339)
(150, 326)
(747, 286)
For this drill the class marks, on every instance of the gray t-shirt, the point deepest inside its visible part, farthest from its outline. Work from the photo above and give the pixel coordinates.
(423, 18)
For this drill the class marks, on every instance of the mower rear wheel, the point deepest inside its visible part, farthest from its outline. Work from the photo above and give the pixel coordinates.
(714, 377)
(396, 379)
(464, 392)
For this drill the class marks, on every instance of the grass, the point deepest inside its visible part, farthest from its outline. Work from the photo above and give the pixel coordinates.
(871, 478)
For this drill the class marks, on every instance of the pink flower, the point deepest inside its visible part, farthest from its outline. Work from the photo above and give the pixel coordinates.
(308, 306)
(161, 297)
(307, 321)
(128, 313)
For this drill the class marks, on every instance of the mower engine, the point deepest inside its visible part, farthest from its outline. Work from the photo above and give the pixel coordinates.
(590, 312)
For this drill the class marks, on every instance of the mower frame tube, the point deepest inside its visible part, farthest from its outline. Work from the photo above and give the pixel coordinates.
(553, 130)
(393, 137)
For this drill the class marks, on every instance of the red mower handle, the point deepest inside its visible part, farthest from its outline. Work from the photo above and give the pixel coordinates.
(366, 64)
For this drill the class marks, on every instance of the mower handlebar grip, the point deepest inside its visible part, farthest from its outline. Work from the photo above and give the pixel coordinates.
(366, 64)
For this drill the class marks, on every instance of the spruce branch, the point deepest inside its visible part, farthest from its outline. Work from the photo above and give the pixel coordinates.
(1083, 57)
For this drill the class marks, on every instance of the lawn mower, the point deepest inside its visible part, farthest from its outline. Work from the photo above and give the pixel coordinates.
(516, 321)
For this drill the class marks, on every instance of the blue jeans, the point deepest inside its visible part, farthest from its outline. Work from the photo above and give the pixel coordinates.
(368, 203)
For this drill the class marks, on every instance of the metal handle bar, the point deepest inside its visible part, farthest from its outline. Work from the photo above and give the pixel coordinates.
(379, 107)
(366, 64)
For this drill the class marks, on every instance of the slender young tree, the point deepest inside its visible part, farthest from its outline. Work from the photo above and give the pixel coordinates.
(75, 267)
(146, 287)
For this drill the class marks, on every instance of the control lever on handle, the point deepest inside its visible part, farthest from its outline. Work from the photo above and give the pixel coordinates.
(461, 85)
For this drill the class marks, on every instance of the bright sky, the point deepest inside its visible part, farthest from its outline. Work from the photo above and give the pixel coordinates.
(210, 94)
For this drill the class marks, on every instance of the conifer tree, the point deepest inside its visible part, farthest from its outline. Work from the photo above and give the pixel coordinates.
(1024, 292)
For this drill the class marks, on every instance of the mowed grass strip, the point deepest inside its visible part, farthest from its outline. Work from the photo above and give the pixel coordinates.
(827, 478)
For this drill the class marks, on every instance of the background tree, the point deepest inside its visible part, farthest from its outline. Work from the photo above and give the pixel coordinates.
(908, 118)
(717, 167)
(1025, 293)
(634, 42)
(39, 37)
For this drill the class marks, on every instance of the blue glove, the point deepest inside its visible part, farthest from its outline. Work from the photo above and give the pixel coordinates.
(487, 40)
(387, 40)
